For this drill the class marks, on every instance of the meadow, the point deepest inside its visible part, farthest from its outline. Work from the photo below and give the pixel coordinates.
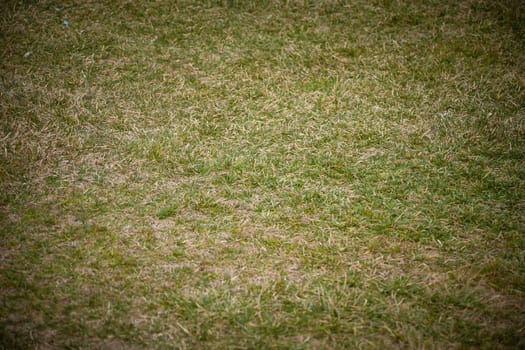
(262, 174)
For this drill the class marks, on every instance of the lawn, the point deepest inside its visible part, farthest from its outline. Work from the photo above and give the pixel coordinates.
(262, 174)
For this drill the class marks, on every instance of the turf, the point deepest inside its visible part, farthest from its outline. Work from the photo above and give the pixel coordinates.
(265, 174)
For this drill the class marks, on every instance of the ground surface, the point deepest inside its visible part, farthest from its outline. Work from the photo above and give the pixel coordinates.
(271, 174)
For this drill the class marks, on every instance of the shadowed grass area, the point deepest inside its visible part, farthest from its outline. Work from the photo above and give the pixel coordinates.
(264, 174)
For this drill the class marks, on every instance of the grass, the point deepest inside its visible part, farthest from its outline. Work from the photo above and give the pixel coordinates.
(267, 174)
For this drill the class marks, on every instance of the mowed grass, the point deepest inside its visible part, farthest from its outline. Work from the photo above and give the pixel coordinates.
(268, 174)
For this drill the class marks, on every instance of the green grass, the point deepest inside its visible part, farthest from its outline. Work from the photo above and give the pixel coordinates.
(265, 174)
